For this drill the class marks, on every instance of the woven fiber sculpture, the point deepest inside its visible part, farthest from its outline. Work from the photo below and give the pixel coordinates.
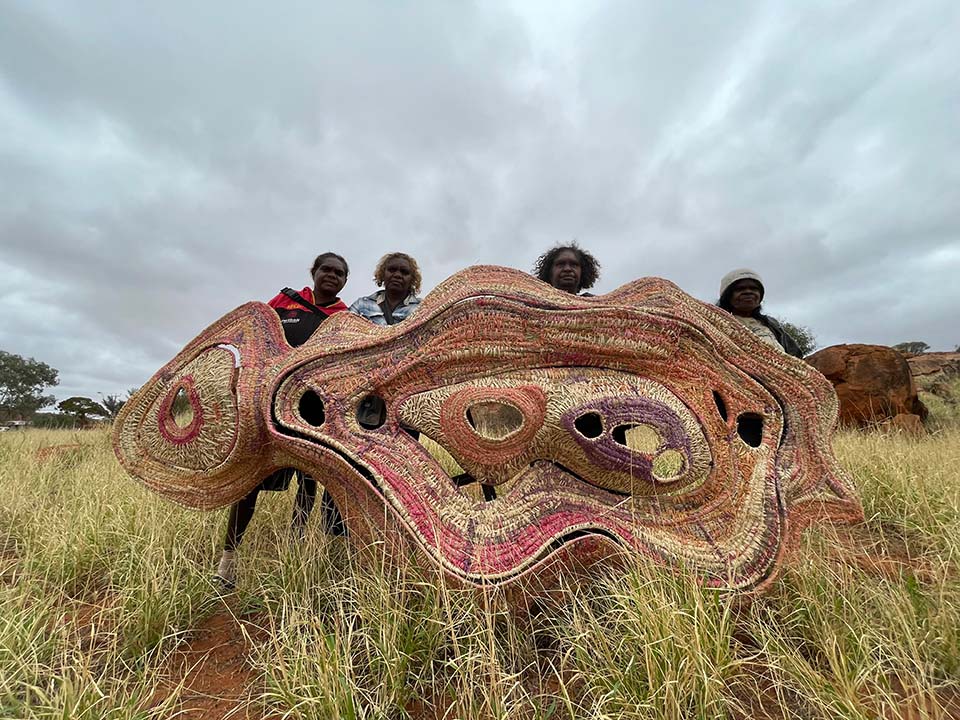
(641, 421)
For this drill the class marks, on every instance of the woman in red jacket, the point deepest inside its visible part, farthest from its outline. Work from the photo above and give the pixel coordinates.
(300, 314)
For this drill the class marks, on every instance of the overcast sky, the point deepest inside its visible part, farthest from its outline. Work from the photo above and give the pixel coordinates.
(162, 163)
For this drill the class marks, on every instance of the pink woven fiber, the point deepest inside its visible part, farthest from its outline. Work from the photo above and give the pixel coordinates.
(639, 421)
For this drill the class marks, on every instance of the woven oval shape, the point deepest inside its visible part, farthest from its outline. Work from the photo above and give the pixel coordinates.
(642, 421)
(211, 433)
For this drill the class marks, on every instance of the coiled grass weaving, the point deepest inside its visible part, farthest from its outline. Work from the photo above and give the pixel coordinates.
(642, 422)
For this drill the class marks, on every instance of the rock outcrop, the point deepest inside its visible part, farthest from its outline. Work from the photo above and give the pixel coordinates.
(873, 384)
(928, 365)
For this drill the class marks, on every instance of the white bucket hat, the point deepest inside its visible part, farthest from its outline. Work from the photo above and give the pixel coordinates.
(740, 274)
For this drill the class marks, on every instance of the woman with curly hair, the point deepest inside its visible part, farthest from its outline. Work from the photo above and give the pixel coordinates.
(568, 268)
(399, 276)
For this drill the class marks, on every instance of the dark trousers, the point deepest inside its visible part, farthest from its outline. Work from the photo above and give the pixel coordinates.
(241, 513)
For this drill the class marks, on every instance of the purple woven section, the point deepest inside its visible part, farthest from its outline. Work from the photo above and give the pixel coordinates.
(606, 452)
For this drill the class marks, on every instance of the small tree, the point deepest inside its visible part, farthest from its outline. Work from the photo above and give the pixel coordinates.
(804, 337)
(81, 407)
(22, 381)
(112, 404)
(914, 347)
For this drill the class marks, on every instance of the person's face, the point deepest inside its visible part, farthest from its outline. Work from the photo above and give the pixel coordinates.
(565, 271)
(398, 276)
(746, 296)
(329, 279)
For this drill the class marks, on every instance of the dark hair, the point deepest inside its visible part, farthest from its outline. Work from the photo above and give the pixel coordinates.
(589, 267)
(323, 256)
(380, 271)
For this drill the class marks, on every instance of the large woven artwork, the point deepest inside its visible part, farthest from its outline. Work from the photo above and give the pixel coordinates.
(642, 422)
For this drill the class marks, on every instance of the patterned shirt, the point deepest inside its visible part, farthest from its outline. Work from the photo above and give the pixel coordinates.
(369, 307)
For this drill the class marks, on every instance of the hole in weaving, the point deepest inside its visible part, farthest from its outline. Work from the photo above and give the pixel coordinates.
(494, 420)
(638, 437)
(590, 425)
(721, 405)
(181, 411)
(476, 491)
(750, 428)
(372, 412)
(668, 465)
(446, 461)
(311, 409)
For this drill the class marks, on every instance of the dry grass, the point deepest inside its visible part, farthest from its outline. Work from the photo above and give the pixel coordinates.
(101, 583)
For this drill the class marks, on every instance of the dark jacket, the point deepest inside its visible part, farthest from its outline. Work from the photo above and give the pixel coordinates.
(786, 341)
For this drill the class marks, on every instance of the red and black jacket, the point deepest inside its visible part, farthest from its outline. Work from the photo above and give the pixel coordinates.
(300, 320)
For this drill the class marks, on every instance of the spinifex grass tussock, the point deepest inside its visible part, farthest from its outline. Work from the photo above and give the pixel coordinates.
(359, 636)
(107, 578)
(646, 644)
(865, 618)
(101, 582)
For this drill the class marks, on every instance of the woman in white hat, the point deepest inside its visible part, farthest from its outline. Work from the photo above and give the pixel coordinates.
(741, 293)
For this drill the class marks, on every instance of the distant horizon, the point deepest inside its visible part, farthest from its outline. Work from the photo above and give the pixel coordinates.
(52, 410)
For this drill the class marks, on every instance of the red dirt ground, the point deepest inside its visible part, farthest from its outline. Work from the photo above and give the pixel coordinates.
(214, 672)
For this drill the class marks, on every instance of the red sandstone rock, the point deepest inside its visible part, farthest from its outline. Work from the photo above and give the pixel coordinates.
(929, 364)
(873, 383)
